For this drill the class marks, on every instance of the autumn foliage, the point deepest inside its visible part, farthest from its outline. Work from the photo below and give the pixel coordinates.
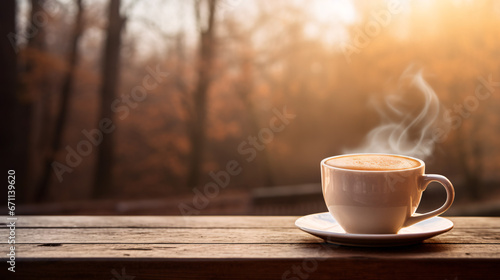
(264, 56)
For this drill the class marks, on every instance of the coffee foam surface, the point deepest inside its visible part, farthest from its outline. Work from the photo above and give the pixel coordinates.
(373, 162)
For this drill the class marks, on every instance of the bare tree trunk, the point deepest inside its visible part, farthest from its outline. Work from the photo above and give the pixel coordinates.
(198, 120)
(110, 73)
(33, 85)
(68, 81)
(36, 84)
(37, 78)
(245, 89)
(15, 107)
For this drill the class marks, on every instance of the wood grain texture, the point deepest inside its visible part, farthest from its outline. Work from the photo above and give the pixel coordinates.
(257, 251)
(198, 221)
(236, 247)
(155, 221)
(249, 269)
(207, 236)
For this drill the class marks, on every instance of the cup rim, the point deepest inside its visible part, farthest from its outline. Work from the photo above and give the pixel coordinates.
(323, 163)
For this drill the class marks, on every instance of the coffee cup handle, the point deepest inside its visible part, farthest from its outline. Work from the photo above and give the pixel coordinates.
(424, 181)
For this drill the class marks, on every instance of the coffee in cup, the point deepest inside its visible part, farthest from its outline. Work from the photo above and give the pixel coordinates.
(377, 193)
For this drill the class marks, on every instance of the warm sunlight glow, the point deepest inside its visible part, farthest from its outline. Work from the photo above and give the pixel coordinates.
(273, 85)
(334, 11)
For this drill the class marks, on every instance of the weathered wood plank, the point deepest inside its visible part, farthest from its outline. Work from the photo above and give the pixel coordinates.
(207, 236)
(255, 251)
(199, 221)
(353, 268)
(237, 248)
(153, 221)
(158, 235)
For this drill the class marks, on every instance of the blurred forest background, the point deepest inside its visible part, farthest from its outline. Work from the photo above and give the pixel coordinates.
(179, 88)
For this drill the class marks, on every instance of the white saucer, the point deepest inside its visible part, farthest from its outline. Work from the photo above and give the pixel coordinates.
(323, 225)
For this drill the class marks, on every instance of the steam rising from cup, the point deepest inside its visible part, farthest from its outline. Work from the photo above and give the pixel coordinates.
(403, 132)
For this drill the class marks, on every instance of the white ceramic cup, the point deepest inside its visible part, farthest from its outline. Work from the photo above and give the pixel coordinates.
(378, 201)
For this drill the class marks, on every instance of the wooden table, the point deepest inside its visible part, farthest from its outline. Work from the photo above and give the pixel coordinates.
(235, 247)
